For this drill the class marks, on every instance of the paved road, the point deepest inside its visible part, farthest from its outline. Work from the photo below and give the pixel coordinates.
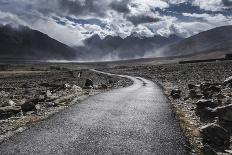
(135, 120)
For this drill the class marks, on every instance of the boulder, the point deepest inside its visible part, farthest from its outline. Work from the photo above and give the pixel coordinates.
(176, 93)
(192, 86)
(206, 114)
(104, 86)
(204, 86)
(193, 94)
(224, 113)
(214, 89)
(207, 150)
(88, 83)
(205, 103)
(9, 111)
(28, 106)
(215, 135)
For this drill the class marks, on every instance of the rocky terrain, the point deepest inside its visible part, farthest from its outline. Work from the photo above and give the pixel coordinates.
(201, 94)
(29, 95)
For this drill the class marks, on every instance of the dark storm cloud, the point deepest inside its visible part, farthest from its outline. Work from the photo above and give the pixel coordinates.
(121, 6)
(227, 3)
(142, 19)
(86, 7)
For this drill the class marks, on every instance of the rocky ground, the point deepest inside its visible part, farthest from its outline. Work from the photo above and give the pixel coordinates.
(201, 94)
(29, 94)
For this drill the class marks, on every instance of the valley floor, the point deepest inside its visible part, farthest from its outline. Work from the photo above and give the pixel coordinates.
(29, 95)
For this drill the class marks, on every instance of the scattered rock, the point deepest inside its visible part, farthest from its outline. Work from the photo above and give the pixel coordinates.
(215, 135)
(28, 106)
(88, 83)
(176, 93)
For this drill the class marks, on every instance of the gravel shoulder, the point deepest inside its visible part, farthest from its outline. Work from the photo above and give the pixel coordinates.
(201, 97)
(30, 95)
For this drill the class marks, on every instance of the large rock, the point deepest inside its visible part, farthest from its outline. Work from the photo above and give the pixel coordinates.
(176, 93)
(207, 150)
(28, 106)
(215, 135)
(9, 110)
(224, 113)
(88, 83)
(192, 86)
(104, 86)
(205, 103)
(193, 94)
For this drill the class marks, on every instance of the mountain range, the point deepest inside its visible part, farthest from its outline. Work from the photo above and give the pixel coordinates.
(25, 43)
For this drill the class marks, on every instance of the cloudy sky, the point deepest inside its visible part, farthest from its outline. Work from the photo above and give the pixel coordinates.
(71, 21)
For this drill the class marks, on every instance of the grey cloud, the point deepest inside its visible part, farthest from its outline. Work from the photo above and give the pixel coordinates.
(136, 20)
(86, 7)
(227, 3)
(121, 6)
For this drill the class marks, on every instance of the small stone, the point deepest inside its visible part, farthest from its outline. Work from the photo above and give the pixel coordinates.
(176, 93)
(11, 103)
(76, 88)
(37, 107)
(88, 82)
(48, 93)
(67, 86)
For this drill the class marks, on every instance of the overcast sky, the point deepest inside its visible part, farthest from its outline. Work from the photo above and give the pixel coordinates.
(71, 21)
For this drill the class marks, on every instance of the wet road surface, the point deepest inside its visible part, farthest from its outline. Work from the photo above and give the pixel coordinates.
(136, 120)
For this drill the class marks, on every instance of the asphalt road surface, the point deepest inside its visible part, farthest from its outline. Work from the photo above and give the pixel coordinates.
(135, 120)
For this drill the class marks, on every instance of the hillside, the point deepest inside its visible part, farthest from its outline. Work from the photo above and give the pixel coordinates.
(25, 43)
(217, 39)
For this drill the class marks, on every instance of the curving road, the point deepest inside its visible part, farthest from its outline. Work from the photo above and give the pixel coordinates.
(135, 120)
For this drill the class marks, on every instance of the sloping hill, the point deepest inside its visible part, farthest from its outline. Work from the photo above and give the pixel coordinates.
(217, 39)
(25, 43)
